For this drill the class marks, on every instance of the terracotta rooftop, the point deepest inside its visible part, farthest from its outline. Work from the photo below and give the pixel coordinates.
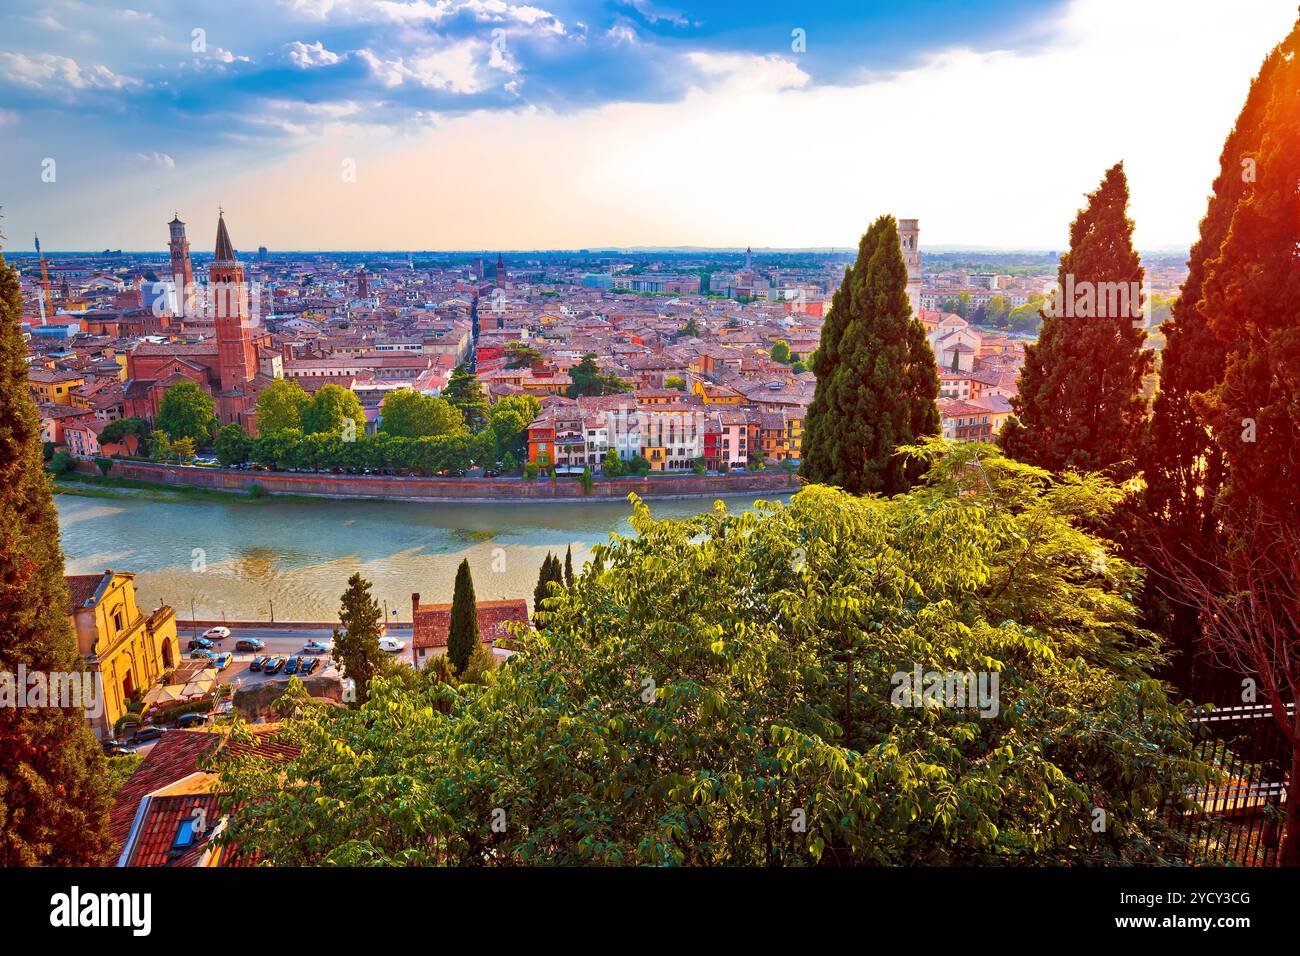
(174, 757)
(432, 622)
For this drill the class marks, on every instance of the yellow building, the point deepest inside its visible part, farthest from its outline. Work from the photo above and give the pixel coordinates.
(48, 385)
(717, 394)
(130, 651)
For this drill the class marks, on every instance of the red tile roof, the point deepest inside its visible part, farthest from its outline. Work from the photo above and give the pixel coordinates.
(433, 621)
(174, 757)
(81, 588)
(162, 820)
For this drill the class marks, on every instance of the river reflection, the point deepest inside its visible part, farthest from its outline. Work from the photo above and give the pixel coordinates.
(235, 560)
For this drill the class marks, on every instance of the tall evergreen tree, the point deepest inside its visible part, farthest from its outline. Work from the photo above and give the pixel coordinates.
(1183, 465)
(463, 635)
(876, 377)
(464, 392)
(356, 645)
(54, 798)
(1252, 303)
(552, 572)
(568, 567)
(1080, 404)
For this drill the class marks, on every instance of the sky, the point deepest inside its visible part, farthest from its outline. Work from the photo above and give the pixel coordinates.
(486, 124)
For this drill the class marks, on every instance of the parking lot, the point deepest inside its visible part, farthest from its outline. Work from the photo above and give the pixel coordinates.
(279, 642)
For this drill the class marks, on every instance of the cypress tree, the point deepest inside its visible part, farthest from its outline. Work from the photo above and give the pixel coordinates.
(543, 576)
(356, 646)
(568, 567)
(54, 798)
(1252, 303)
(1080, 403)
(1183, 465)
(876, 377)
(463, 635)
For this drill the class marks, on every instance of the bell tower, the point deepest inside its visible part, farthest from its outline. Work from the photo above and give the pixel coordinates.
(236, 355)
(182, 271)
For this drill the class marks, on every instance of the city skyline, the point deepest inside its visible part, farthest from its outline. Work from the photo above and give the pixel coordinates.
(401, 126)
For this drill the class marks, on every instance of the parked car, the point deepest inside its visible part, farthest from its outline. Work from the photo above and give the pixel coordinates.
(112, 745)
(307, 666)
(146, 734)
(202, 642)
(223, 660)
(191, 720)
(292, 664)
(200, 654)
(391, 644)
(217, 633)
(315, 647)
(249, 644)
(258, 663)
(273, 665)
(117, 750)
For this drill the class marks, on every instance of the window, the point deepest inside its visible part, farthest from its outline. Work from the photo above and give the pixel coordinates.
(184, 834)
(117, 621)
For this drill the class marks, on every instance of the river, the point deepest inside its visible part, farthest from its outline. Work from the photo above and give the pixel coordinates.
(239, 560)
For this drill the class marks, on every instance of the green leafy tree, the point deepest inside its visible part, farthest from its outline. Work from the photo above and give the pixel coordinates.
(876, 377)
(233, 446)
(658, 720)
(330, 407)
(186, 411)
(781, 352)
(675, 381)
(281, 405)
(519, 355)
(356, 644)
(1080, 403)
(462, 635)
(54, 796)
(119, 428)
(588, 379)
(612, 465)
(276, 449)
(408, 414)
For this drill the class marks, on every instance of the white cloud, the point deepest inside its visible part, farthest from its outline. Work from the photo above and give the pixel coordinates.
(161, 160)
(307, 55)
(453, 67)
(51, 71)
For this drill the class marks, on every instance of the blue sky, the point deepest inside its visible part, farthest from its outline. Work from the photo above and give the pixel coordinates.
(256, 105)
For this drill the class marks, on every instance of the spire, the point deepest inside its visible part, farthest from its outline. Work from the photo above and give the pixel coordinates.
(225, 252)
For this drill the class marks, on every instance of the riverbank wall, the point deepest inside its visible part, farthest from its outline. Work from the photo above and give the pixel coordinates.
(481, 490)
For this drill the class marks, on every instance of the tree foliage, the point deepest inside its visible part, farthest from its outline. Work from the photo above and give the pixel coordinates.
(280, 405)
(54, 796)
(685, 702)
(356, 644)
(409, 414)
(329, 408)
(463, 635)
(876, 377)
(1080, 402)
(187, 411)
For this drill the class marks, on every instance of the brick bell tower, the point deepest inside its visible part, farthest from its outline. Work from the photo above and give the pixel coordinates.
(182, 272)
(236, 354)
